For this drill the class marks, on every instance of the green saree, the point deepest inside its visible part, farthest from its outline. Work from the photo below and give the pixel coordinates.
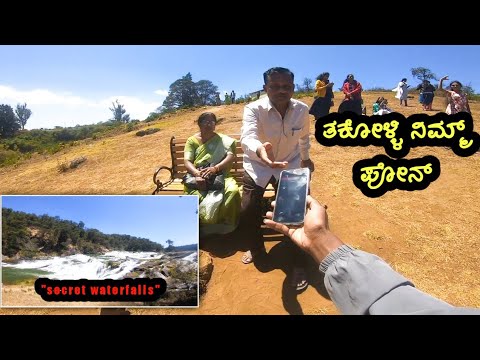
(219, 211)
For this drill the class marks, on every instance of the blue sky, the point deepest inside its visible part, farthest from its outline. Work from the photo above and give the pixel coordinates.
(66, 85)
(156, 218)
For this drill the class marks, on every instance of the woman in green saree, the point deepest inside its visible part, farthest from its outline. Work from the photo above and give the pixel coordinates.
(208, 154)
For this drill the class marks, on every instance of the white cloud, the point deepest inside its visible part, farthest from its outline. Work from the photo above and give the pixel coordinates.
(50, 109)
(161, 92)
(40, 97)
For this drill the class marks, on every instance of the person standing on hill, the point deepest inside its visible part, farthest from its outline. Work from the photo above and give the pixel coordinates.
(232, 97)
(427, 93)
(353, 96)
(275, 136)
(323, 99)
(402, 91)
(457, 99)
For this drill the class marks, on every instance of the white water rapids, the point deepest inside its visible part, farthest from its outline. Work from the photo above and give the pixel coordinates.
(81, 266)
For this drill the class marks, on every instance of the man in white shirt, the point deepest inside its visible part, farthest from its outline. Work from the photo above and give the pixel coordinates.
(275, 136)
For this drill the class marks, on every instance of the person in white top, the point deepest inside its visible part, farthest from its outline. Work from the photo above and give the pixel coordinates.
(402, 91)
(275, 136)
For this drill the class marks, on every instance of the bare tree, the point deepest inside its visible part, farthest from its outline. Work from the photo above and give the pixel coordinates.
(469, 90)
(119, 112)
(23, 114)
(422, 74)
(306, 84)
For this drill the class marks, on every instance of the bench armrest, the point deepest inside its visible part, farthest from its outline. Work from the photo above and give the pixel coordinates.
(158, 183)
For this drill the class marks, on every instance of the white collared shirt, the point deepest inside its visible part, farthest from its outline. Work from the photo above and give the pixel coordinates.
(289, 136)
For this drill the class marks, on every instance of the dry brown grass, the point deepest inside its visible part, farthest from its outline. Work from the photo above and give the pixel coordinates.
(430, 236)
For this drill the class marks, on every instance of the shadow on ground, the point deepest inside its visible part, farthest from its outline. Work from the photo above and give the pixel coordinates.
(279, 257)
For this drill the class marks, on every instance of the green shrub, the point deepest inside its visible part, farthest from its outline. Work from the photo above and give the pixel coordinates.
(147, 131)
(8, 157)
(62, 166)
(65, 165)
(152, 117)
(129, 127)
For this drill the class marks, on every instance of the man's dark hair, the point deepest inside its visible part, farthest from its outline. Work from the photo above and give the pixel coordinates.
(279, 70)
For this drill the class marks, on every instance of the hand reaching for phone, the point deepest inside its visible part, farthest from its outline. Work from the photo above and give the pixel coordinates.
(265, 153)
(314, 237)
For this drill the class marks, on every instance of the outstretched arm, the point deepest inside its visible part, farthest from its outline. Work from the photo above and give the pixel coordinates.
(358, 282)
(440, 84)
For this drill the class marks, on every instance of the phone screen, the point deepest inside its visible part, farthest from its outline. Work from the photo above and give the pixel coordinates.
(291, 200)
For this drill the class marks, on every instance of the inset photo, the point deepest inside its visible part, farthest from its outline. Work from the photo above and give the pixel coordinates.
(99, 251)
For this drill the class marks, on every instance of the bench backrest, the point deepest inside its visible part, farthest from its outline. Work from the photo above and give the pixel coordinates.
(177, 147)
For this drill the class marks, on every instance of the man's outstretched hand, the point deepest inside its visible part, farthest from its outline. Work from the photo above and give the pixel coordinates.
(265, 153)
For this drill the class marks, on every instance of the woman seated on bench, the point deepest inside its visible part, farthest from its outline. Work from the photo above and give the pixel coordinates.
(208, 156)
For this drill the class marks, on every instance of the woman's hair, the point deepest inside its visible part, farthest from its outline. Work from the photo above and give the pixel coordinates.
(206, 115)
(455, 82)
(349, 75)
(322, 75)
(404, 79)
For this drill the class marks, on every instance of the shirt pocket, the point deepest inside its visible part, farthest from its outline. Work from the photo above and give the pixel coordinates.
(296, 131)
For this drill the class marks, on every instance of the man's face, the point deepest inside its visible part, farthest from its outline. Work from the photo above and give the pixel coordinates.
(279, 88)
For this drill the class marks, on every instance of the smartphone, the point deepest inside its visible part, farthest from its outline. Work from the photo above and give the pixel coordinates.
(291, 199)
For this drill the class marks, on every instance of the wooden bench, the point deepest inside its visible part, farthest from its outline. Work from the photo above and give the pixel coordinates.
(173, 184)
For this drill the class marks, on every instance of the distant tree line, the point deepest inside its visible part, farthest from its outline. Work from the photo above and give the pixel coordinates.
(189, 247)
(29, 236)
